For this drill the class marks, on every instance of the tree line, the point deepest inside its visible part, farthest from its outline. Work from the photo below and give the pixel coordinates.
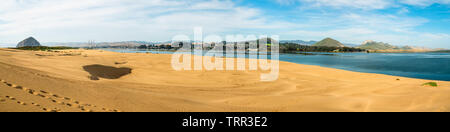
(284, 48)
(292, 47)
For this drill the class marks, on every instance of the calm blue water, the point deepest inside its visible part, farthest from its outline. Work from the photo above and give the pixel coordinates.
(433, 66)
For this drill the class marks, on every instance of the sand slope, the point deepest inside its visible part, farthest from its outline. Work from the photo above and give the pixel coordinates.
(56, 81)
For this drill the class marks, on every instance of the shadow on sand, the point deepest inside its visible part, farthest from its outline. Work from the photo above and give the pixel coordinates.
(107, 72)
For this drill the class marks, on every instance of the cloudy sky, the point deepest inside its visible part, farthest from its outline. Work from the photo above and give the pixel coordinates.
(400, 22)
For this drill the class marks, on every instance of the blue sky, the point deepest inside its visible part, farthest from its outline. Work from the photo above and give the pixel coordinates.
(424, 23)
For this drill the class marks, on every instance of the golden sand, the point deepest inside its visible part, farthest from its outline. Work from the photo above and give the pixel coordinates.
(58, 82)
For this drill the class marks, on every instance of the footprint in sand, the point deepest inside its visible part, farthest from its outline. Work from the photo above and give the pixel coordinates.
(31, 91)
(13, 85)
(53, 95)
(25, 89)
(61, 103)
(69, 104)
(84, 109)
(109, 110)
(66, 98)
(21, 103)
(40, 95)
(18, 87)
(11, 98)
(35, 104)
(43, 94)
(8, 84)
(47, 110)
(76, 105)
(51, 110)
(57, 109)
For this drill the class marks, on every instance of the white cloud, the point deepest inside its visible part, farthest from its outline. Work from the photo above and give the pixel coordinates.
(359, 4)
(424, 2)
(362, 4)
(359, 35)
(403, 11)
(120, 20)
(160, 20)
(353, 21)
(286, 2)
(358, 27)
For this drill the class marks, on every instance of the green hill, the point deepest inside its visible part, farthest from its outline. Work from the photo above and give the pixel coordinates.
(329, 42)
(372, 45)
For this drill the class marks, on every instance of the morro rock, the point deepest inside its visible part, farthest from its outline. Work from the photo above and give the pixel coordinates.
(29, 42)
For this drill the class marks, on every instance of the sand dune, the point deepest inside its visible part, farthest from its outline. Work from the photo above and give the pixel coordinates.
(100, 81)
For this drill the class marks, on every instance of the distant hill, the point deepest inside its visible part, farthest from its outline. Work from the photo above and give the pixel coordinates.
(372, 45)
(442, 50)
(67, 44)
(329, 42)
(122, 44)
(312, 42)
(127, 44)
(350, 45)
(385, 47)
(268, 40)
(29, 42)
(301, 42)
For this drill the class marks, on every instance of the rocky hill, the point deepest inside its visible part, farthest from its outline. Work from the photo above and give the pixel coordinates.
(329, 42)
(372, 45)
(29, 42)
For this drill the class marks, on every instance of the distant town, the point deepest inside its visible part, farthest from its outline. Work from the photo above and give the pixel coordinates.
(286, 46)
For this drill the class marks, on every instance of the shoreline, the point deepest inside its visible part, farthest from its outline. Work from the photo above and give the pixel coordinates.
(154, 86)
(347, 68)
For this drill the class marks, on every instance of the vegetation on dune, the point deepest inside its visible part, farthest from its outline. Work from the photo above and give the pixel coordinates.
(432, 84)
(44, 48)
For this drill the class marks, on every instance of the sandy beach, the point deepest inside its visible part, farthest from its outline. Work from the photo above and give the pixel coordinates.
(101, 81)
